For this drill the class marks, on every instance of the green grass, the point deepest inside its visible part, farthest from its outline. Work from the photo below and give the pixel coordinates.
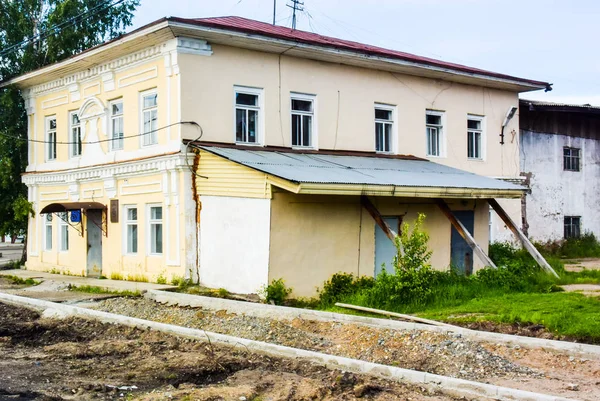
(21, 281)
(89, 289)
(564, 314)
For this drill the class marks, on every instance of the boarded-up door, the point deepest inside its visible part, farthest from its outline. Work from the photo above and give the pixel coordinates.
(94, 243)
(461, 254)
(385, 250)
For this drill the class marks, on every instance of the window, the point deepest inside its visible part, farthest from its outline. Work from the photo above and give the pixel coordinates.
(51, 138)
(149, 119)
(131, 227)
(48, 232)
(302, 120)
(571, 158)
(156, 236)
(63, 231)
(116, 125)
(572, 227)
(75, 138)
(247, 115)
(384, 122)
(434, 133)
(474, 137)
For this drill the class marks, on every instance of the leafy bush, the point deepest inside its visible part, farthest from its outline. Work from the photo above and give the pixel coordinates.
(341, 285)
(276, 292)
(585, 246)
(413, 253)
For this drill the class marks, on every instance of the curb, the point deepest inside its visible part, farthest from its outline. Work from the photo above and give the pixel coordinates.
(448, 385)
(287, 313)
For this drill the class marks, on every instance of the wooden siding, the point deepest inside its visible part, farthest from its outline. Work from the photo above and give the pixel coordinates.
(226, 178)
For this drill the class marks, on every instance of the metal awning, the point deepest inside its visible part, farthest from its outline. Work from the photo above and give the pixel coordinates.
(66, 206)
(322, 173)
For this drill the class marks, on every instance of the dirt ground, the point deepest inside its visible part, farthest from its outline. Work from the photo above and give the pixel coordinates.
(76, 359)
(578, 265)
(446, 354)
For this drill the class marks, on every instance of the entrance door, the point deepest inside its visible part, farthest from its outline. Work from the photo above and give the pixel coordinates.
(94, 243)
(461, 254)
(385, 250)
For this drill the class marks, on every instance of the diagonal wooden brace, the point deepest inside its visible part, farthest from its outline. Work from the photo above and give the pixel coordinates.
(477, 250)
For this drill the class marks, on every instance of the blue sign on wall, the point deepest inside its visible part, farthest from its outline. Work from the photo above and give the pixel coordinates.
(75, 216)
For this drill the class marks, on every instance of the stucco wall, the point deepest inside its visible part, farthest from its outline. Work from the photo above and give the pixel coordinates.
(234, 243)
(313, 237)
(350, 93)
(556, 193)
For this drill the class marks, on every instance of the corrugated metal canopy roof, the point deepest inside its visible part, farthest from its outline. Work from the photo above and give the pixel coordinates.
(359, 170)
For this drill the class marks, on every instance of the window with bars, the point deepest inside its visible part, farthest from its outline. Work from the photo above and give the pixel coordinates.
(384, 123)
(51, 138)
(75, 139)
(247, 115)
(150, 118)
(131, 229)
(572, 227)
(156, 232)
(302, 121)
(571, 159)
(116, 125)
(434, 133)
(474, 137)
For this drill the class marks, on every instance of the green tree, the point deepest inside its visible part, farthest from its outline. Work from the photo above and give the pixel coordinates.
(412, 246)
(33, 34)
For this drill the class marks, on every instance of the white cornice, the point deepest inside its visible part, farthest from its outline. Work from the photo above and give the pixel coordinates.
(155, 164)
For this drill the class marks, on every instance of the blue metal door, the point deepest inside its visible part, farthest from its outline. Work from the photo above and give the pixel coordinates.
(94, 243)
(385, 250)
(461, 254)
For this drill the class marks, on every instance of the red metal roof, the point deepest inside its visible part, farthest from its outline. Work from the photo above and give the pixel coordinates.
(249, 26)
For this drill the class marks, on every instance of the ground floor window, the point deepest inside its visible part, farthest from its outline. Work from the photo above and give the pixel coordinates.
(156, 232)
(63, 231)
(131, 228)
(572, 227)
(48, 232)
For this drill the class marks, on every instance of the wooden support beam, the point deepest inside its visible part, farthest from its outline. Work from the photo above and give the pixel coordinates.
(521, 236)
(366, 203)
(477, 250)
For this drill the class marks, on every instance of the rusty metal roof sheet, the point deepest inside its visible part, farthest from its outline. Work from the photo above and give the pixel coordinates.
(358, 170)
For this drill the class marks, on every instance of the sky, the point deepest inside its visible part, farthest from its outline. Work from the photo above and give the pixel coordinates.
(551, 41)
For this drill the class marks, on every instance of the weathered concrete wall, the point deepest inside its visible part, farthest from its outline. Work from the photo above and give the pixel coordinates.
(556, 193)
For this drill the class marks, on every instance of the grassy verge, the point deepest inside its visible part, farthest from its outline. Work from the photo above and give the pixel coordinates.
(99, 290)
(20, 281)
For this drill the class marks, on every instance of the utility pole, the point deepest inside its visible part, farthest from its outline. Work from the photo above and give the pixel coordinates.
(295, 6)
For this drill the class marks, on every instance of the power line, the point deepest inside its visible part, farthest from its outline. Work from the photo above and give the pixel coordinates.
(99, 8)
(100, 140)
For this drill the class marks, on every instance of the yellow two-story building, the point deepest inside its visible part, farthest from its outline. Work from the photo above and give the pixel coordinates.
(234, 152)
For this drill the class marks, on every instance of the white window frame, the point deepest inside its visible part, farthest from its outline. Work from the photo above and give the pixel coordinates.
(126, 224)
(314, 139)
(48, 223)
(393, 131)
(142, 111)
(152, 222)
(441, 133)
(482, 140)
(260, 126)
(72, 140)
(47, 135)
(63, 233)
(113, 117)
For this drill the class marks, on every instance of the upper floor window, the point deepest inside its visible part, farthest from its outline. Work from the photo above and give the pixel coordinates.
(75, 138)
(303, 112)
(51, 138)
(474, 137)
(435, 133)
(156, 232)
(247, 115)
(48, 232)
(149, 118)
(571, 157)
(572, 227)
(384, 123)
(116, 125)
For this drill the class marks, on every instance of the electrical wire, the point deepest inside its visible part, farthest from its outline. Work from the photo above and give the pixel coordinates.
(99, 8)
(100, 140)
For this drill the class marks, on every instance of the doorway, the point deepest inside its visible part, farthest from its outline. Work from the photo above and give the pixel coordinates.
(94, 242)
(385, 249)
(461, 254)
